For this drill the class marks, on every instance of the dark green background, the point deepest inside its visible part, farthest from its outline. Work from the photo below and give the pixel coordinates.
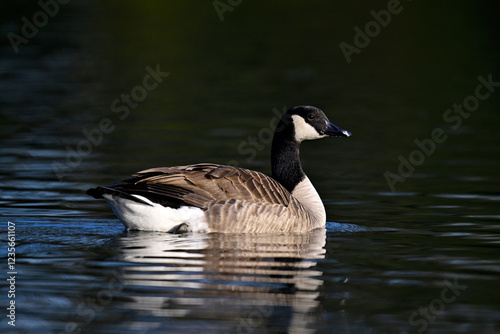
(225, 79)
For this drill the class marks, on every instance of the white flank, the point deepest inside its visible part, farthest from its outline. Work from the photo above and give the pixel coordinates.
(309, 198)
(304, 131)
(155, 217)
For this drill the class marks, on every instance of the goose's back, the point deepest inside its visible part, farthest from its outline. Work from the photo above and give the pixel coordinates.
(235, 199)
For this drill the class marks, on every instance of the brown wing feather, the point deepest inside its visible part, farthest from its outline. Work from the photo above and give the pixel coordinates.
(202, 183)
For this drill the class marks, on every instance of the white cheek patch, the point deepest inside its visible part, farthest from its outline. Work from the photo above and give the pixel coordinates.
(304, 131)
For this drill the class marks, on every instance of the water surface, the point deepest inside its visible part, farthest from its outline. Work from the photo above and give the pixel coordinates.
(420, 256)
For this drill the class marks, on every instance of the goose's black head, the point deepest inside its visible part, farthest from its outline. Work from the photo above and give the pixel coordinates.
(308, 123)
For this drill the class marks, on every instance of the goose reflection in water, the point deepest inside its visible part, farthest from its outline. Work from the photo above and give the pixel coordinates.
(239, 282)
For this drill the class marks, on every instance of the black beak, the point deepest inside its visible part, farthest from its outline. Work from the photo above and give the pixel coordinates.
(334, 131)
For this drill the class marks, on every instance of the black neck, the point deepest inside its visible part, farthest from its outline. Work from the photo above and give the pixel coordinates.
(285, 161)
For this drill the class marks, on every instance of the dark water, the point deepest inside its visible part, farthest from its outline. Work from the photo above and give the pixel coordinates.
(413, 198)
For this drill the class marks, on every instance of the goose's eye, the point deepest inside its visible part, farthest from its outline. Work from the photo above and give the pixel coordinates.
(310, 117)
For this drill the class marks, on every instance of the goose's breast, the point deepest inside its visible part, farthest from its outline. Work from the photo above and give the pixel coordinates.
(307, 195)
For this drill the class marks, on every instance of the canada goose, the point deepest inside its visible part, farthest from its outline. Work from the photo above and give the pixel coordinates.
(217, 198)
